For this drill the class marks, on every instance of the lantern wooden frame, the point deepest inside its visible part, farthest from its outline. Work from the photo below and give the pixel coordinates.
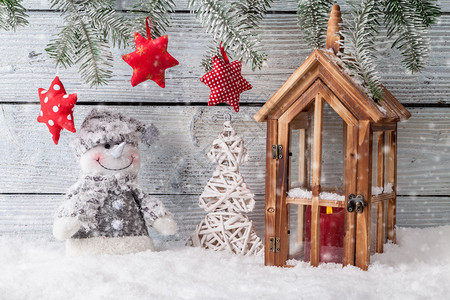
(321, 78)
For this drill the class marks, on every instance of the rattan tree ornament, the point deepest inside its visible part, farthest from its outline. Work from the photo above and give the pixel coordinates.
(225, 196)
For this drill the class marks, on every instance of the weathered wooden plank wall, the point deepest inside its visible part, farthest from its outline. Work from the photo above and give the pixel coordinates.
(35, 174)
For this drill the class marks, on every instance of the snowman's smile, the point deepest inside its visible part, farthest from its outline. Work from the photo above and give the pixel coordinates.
(112, 169)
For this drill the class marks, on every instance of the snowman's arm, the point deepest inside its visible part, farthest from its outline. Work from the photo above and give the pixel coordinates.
(151, 208)
(154, 213)
(66, 224)
(80, 204)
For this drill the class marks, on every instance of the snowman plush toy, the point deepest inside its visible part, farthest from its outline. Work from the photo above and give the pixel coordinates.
(105, 211)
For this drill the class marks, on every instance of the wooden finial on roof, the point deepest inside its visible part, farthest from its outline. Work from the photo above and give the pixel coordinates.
(333, 29)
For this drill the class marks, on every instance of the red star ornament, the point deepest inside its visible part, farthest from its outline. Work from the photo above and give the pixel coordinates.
(57, 109)
(226, 82)
(150, 59)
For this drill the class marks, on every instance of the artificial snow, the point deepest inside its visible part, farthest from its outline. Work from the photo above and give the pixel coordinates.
(417, 268)
(377, 190)
(387, 189)
(305, 194)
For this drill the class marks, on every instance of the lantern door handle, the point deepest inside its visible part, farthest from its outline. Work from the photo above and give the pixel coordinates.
(356, 203)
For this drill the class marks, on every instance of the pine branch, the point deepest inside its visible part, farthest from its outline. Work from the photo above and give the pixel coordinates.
(114, 27)
(360, 54)
(12, 14)
(212, 50)
(428, 10)
(159, 11)
(253, 10)
(95, 57)
(222, 20)
(62, 48)
(313, 19)
(406, 24)
(89, 25)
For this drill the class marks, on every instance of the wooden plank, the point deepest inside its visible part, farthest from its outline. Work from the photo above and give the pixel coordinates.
(380, 183)
(23, 56)
(276, 5)
(351, 165)
(316, 173)
(383, 197)
(175, 164)
(322, 202)
(424, 153)
(290, 91)
(32, 214)
(351, 94)
(383, 126)
(300, 105)
(302, 175)
(282, 215)
(423, 211)
(271, 207)
(31, 162)
(362, 251)
(392, 178)
(337, 105)
(180, 5)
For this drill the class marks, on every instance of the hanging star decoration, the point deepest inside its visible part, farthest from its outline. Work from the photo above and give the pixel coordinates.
(57, 109)
(225, 81)
(150, 59)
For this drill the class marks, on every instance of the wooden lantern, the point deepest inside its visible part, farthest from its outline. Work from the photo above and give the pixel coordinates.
(366, 201)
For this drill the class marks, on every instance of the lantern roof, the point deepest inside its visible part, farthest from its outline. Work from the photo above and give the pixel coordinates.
(324, 70)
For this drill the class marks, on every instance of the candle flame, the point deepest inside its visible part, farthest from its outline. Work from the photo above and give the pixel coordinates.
(329, 210)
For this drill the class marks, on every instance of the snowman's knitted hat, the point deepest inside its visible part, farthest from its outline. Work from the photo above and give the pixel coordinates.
(102, 127)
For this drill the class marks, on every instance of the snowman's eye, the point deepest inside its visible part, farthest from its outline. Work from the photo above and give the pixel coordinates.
(107, 146)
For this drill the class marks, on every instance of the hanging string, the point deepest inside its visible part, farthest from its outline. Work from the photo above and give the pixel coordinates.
(224, 54)
(148, 27)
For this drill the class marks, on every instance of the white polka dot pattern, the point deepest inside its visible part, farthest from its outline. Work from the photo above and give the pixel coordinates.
(55, 111)
(226, 83)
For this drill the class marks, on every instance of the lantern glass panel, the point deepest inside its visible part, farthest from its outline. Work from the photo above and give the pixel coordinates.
(332, 178)
(296, 232)
(373, 228)
(331, 220)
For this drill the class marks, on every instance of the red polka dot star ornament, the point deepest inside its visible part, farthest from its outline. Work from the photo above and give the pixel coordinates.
(150, 60)
(57, 109)
(225, 81)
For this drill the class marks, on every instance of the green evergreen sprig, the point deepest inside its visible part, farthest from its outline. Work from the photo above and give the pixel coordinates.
(428, 10)
(313, 18)
(405, 23)
(160, 13)
(360, 54)
(12, 14)
(228, 25)
(253, 10)
(89, 26)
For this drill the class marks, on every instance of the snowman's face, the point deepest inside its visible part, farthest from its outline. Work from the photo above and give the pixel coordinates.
(109, 159)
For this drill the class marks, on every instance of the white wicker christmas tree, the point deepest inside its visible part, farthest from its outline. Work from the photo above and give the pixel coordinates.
(225, 196)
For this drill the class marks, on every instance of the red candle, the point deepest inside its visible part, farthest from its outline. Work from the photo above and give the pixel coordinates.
(331, 235)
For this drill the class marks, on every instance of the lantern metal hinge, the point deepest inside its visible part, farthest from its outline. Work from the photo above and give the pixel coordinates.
(274, 244)
(356, 203)
(277, 151)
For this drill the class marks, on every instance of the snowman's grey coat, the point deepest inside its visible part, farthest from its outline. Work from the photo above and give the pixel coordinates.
(110, 206)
